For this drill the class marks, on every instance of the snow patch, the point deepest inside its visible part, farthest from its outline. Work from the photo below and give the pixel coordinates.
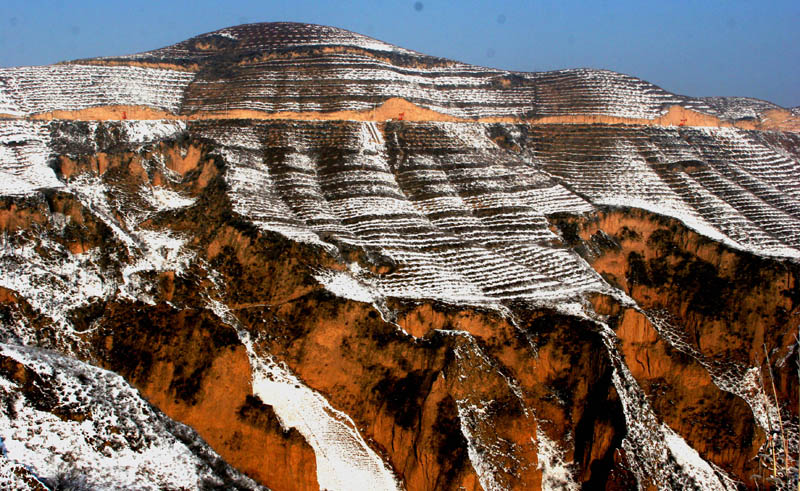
(163, 199)
(694, 466)
(470, 416)
(655, 453)
(53, 280)
(145, 131)
(344, 460)
(346, 285)
(557, 473)
(160, 250)
(92, 192)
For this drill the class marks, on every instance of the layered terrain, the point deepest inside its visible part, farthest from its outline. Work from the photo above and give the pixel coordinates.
(291, 256)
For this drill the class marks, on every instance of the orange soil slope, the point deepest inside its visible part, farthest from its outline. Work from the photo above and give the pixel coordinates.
(397, 108)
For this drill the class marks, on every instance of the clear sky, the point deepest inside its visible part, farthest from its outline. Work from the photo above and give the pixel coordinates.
(697, 48)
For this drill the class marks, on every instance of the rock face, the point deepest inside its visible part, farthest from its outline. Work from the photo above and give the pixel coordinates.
(346, 265)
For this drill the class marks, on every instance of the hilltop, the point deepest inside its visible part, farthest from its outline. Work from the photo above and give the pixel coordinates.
(241, 72)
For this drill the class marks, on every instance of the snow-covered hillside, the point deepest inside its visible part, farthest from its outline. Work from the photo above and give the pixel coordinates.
(505, 303)
(73, 425)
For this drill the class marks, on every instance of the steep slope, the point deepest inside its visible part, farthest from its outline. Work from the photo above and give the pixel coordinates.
(69, 424)
(336, 297)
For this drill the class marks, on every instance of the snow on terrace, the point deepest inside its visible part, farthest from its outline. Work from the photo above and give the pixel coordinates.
(41, 89)
(286, 34)
(24, 156)
(350, 80)
(354, 81)
(601, 92)
(353, 76)
(469, 225)
(117, 440)
(7, 104)
(337, 85)
(722, 182)
(734, 108)
(462, 236)
(266, 37)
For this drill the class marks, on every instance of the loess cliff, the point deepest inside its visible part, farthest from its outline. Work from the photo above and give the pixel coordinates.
(288, 256)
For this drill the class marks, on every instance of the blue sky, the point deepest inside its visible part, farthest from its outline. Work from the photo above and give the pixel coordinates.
(696, 48)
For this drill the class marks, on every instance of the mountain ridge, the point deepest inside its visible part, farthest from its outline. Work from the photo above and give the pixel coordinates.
(324, 50)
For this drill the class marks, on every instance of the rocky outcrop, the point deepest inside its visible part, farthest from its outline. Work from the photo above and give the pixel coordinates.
(196, 371)
(705, 315)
